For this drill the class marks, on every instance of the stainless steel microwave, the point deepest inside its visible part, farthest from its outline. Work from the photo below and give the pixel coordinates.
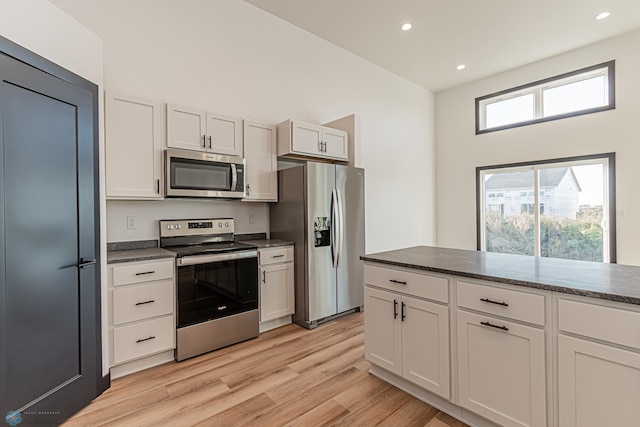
(198, 174)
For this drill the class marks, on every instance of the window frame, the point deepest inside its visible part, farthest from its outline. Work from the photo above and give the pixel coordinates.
(536, 88)
(610, 187)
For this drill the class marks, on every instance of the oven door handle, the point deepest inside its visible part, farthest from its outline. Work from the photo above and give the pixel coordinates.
(204, 259)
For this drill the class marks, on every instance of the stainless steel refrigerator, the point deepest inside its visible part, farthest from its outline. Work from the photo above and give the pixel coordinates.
(321, 209)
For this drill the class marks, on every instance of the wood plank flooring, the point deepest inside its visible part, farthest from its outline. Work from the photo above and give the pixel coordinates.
(288, 376)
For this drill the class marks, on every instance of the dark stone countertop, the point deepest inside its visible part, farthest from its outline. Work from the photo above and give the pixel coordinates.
(128, 255)
(267, 243)
(612, 282)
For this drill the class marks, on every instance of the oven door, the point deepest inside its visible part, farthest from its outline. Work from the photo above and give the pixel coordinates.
(196, 174)
(215, 286)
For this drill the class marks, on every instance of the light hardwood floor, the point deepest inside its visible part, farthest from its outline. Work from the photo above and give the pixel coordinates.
(287, 376)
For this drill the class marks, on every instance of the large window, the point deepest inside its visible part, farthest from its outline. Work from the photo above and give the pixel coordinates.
(584, 91)
(563, 208)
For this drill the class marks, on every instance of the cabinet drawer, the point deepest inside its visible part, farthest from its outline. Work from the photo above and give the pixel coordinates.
(142, 339)
(139, 272)
(132, 303)
(416, 284)
(502, 302)
(276, 255)
(604, 323)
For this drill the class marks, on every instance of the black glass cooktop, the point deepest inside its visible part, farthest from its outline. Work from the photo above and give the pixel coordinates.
(208, 248)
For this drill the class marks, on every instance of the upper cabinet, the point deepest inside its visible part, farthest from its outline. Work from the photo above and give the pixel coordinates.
(261, 164)
(199, 130)
(298, 139)
(134, 131)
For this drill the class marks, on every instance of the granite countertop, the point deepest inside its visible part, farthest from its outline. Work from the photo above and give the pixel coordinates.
(612, 282)
(128, 255)
(266, 243)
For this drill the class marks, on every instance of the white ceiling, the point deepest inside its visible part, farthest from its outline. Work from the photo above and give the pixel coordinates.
(488, 36)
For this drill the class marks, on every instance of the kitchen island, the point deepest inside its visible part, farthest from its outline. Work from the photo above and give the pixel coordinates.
(499, 339)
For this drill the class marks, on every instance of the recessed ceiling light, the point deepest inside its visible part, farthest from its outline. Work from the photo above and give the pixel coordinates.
(602, 15)
(406, 26)
(461, 67)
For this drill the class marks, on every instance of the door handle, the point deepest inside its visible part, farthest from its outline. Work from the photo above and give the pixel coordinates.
(402, 315)
(204, 141)
(395, 309)
(264, 276)
(504, 328)
(209, 142)
(85, 263)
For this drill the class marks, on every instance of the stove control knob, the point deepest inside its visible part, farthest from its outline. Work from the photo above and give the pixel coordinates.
(178, 226)
(226, 224)
(170, 227)
(219, 225)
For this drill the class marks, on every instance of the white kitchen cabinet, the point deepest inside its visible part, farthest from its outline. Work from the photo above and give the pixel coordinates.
(501, 370)
(141, 317)
(199, 130)
(302, 140)
(133, 147)
(589, 370)
(406, 335)
(276, 296)
(261, 161)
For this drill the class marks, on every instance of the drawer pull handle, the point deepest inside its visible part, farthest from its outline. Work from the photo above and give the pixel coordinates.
(277, 256)
(145, 272)
(504, 328)
(145, 339)
(395, 309)
(397, 281)
(146, 302)
(494, 302)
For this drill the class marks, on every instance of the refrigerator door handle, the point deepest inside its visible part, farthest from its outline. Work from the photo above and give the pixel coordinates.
(340, 228)
(334, 225)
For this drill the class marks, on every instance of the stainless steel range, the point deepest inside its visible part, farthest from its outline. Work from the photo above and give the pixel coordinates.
(217, 284)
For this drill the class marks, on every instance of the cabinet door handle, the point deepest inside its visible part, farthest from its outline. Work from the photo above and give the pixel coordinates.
(146, 302)
(264, 277)
(145, 272)
(395, 309)
(397, 281)
(325, 146)
(248, 189)
(158, 186)
(504, 328)
(204, 141)
(494, 302)
(320, 146)
(145, 339)
(209, 142)
(402, 315)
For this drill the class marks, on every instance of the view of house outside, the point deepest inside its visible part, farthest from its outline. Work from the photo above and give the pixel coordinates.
(570, 203)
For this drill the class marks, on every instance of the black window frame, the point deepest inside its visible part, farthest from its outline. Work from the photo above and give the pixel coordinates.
(611, 178)
(610, 65)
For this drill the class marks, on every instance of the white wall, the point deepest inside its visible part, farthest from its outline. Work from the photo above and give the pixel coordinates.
(44, 29)
(459, 151)
(232, 58)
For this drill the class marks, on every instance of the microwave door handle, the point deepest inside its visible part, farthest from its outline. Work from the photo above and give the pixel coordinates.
(234, 177)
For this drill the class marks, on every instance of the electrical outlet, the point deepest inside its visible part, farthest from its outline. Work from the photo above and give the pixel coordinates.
(131, 223)
(250, 218)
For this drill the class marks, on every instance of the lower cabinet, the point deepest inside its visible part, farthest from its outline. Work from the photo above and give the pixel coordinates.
(277, 302)
(142, 325)
(598, 382)
(501, 370)
(409, 337)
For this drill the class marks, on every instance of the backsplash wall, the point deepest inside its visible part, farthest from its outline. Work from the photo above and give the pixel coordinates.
(148, 213)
